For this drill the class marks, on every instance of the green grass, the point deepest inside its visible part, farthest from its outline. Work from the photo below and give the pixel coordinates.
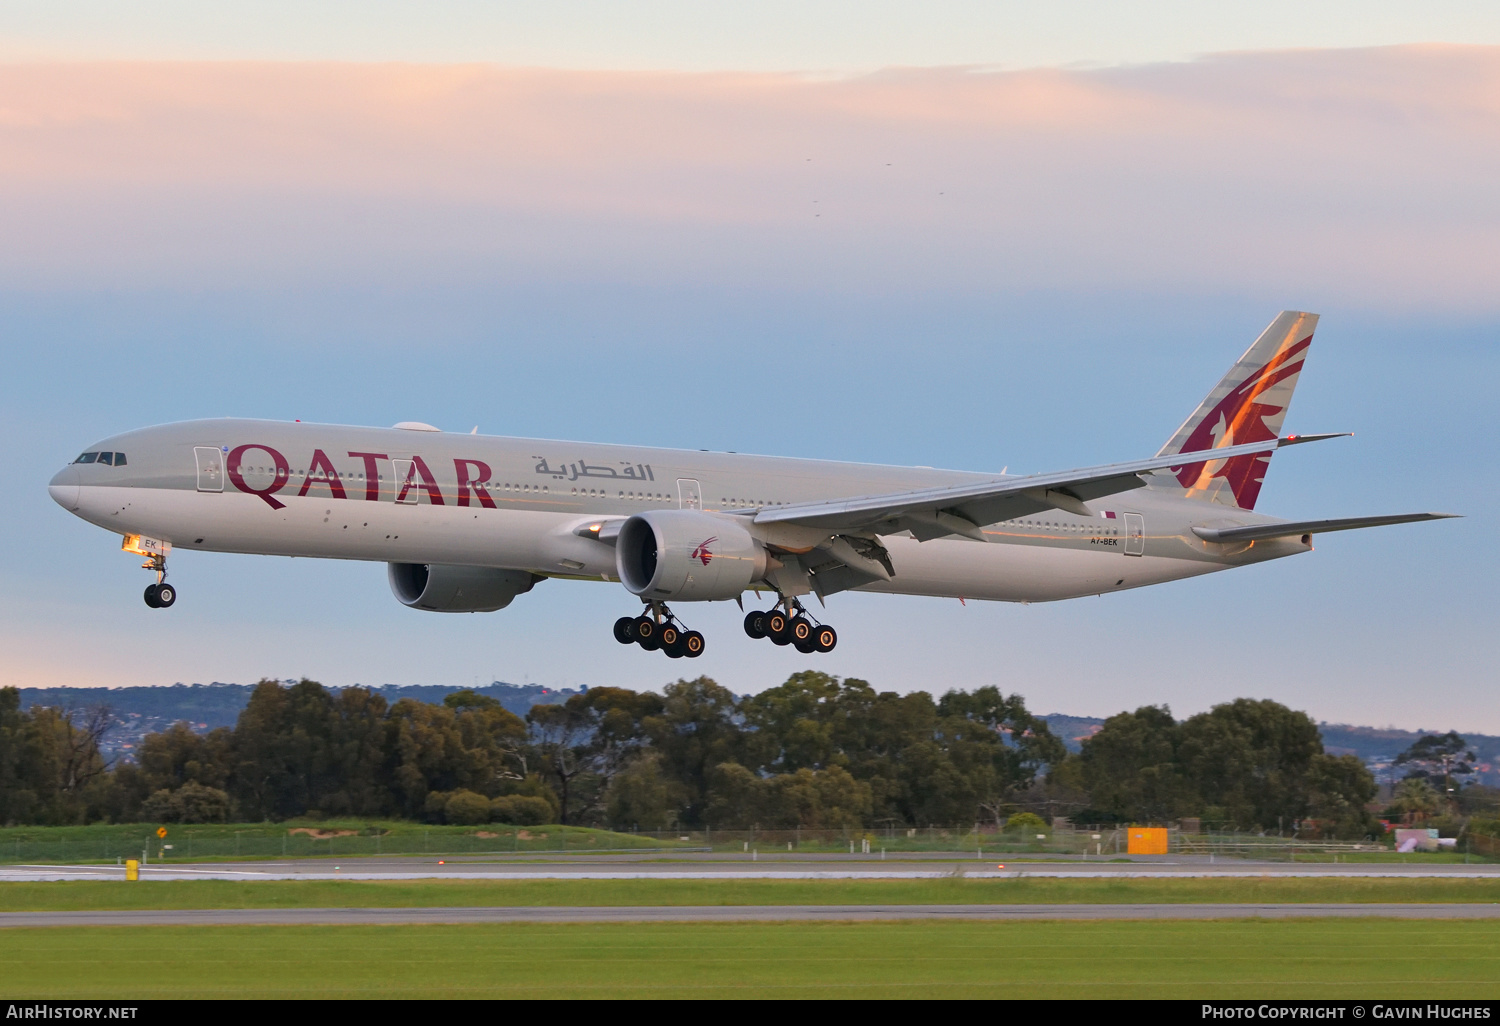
(1184, 959)
(1410, 858)
(183, 894)
(102, 842)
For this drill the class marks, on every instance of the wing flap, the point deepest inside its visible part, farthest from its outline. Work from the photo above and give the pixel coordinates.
(1262, 532)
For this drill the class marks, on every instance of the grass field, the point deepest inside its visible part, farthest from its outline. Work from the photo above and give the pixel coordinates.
(1215, 959)
(183, 894)
(103, 842)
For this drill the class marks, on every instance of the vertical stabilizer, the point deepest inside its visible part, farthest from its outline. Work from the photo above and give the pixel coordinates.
(1248, 405)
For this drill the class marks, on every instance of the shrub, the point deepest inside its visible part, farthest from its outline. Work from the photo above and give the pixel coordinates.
(1026, 822)
(520, 809)
(467, 808)
(190, 803)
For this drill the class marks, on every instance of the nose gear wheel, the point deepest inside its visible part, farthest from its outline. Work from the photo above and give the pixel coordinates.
(160, 595)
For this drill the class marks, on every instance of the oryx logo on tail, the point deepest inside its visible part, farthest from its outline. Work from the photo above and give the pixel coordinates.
(1248, 405)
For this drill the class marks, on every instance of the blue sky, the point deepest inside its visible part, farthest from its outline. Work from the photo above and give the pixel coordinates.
(1038, 268)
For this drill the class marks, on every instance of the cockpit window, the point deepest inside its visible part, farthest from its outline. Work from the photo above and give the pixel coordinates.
(109, 459)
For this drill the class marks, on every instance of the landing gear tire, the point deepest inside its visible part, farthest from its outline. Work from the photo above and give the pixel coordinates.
(824, 638)
(648, 634)
(165, 595)
(778, 627)
(669, 635)
(755, 624)
(806, 646)
(692, 644)
(802, 631)
(625, 630)
(151, 600)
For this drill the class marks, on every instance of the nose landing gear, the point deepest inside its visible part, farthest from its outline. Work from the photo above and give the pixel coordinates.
(791, 626)
(160, 595)
(657, 629)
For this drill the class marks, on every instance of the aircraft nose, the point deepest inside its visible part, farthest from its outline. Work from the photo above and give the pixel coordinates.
(64, 487)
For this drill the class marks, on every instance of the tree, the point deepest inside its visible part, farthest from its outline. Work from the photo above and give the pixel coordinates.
(1438, 758)
(1131, 767)
(1340, 787)
(829, 799)
(996, 744)
(443, 748)
(562, 735)
(1416, 798)
(50, 767)
(695, 731)
(643, 797)
(172, 757)
(279, 749)
(1253, 759)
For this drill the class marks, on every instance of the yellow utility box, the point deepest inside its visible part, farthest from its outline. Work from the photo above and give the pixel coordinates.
(1147, 841)
(132, 869)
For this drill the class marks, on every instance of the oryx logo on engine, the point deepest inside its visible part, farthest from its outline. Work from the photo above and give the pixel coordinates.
(703, 553)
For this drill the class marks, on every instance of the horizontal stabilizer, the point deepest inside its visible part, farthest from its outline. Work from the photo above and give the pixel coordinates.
(1261, 532)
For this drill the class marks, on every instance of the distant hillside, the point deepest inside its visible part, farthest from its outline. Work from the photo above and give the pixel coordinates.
(1377, 747)
(144, 710)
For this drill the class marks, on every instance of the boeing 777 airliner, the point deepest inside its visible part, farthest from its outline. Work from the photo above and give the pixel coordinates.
(468, 522)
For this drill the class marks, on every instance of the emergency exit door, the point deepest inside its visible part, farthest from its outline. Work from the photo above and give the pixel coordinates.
(689, 495)
(1135, 534)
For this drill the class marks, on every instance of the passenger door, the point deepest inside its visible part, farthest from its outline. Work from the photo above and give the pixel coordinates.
(689, 495)
(1135, 534)
(210, 462)
(404, 483)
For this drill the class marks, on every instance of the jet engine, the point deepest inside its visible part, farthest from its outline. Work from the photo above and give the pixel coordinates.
(687, 555)
(457, 589)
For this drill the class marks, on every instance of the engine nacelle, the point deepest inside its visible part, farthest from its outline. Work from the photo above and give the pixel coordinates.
(457, 589)
(687, 555)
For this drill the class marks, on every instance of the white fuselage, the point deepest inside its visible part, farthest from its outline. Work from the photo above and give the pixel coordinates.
(469, 500)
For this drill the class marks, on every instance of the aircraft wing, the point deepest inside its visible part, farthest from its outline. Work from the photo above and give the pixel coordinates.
(961, 509)
(1260, 532)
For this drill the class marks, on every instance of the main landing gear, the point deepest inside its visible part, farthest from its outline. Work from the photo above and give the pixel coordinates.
(791, 626)
(656, 629)
(160, 595)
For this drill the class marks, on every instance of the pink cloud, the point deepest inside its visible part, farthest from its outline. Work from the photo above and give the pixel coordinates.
(1317, 176)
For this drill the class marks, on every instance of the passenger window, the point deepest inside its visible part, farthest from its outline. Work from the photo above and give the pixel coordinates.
(87, 457)
(119, 459)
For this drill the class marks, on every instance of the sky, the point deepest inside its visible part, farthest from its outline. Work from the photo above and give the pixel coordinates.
(960, 235)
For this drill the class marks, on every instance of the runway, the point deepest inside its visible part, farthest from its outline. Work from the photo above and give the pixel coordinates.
(720, 867)
(732, 914)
